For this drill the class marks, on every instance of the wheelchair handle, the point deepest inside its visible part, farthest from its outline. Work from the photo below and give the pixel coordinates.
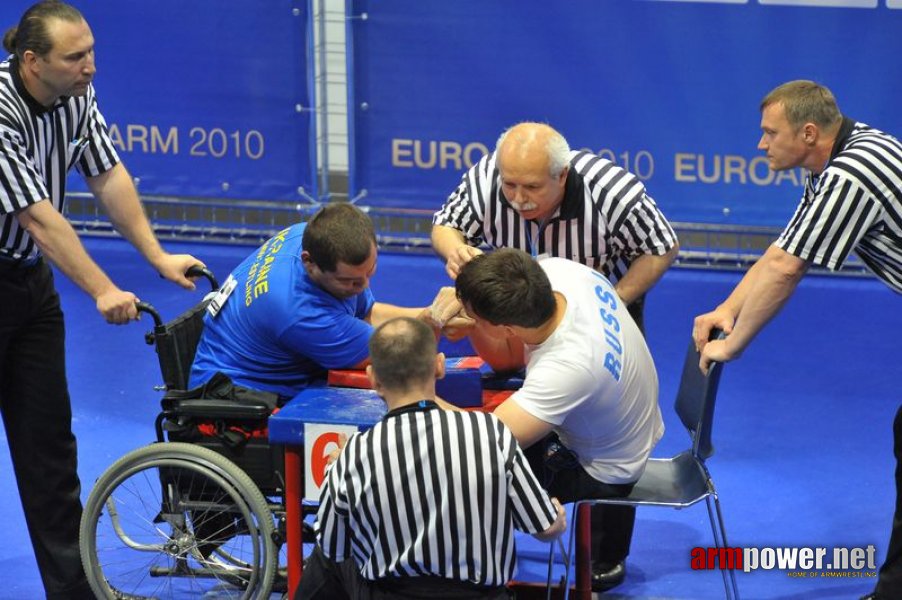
(200, 271)
(148, 308)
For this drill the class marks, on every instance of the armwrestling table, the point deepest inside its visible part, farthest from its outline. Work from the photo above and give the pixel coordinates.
(312, 420)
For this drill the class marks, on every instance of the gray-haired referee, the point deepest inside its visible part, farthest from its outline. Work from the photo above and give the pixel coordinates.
(535, 194)
(49, 122)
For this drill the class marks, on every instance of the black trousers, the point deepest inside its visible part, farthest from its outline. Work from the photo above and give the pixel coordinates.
(636, 310)
(325, 579)
(889, 582)
(612, 526)
(34, 401)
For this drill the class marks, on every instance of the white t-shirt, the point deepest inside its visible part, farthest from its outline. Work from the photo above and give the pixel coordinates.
(594, 378)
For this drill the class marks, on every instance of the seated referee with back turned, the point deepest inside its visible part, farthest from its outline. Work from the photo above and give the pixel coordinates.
(423, 505)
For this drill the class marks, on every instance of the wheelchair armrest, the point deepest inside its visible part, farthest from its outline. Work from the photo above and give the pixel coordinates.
(216, 409)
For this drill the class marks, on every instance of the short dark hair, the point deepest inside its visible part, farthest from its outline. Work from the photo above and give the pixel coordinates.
(402, 353)
(339, 232)
(805, 102)
(32, 32)
(506, 287)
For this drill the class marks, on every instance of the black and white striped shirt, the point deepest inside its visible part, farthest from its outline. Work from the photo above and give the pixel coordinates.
(38, 146)
(605, 221)
(855, 204)
(430, 492)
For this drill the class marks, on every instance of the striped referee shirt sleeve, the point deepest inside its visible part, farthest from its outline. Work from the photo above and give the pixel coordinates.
(825, 230)
(644, 229)
(531, 507)
(99, 155)
(331, 526)
(20, 183)
(637, 224)
(465, 208)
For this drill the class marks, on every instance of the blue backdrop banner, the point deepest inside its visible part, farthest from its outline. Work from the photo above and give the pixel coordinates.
(668, 89)
(205, 98)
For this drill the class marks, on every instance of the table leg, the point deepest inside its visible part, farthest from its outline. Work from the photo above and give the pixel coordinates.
(583, 589)
(294, 456)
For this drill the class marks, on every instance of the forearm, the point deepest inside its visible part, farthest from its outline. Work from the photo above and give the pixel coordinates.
(445, 240)
(60, 245)
(117, 195)
(526, 428)
(773, 281)
(643, 273)
(736, 300)
(382, 312)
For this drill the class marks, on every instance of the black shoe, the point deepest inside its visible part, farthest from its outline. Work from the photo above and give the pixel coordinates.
(606, 575)
(871, 596)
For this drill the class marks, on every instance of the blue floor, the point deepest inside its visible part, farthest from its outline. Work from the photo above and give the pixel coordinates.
(803, 428)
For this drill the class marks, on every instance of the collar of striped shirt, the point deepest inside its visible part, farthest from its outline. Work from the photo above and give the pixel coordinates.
(35, 106)
(416, 406)
(842, 136)
(574, 195)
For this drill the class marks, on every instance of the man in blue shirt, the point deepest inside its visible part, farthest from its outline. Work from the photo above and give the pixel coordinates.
(297, 307)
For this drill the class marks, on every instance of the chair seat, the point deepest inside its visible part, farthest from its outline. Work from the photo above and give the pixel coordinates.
(676, 482)
(679, 482)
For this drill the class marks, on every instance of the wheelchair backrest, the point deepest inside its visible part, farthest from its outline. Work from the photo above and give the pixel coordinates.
(176, 343)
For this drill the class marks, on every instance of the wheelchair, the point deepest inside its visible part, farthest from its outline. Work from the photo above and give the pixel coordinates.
(192, 515)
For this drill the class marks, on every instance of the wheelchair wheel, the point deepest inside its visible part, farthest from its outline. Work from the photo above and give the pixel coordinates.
(174, 520)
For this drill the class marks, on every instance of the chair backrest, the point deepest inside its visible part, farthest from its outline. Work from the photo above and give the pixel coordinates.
(176, 343)
(696, 398)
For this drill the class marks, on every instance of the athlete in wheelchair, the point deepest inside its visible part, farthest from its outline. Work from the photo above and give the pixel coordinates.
(297, 306)
(202, 514)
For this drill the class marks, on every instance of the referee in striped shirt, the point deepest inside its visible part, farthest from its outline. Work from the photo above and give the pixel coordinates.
(852, 202)
(534, 194)
(49, 122)
(423, 505)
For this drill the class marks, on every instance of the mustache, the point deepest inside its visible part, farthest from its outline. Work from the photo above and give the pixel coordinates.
(526, 206)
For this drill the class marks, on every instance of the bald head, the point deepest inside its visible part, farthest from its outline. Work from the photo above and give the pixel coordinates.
(533, 160)
(535, 143)
(403, 354)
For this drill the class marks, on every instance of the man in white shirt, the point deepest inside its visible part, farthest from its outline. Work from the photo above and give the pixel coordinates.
(590, 381)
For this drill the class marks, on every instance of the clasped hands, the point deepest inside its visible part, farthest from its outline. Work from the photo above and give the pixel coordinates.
(448, 316)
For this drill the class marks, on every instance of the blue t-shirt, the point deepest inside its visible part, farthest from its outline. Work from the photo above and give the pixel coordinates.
(278, 331)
